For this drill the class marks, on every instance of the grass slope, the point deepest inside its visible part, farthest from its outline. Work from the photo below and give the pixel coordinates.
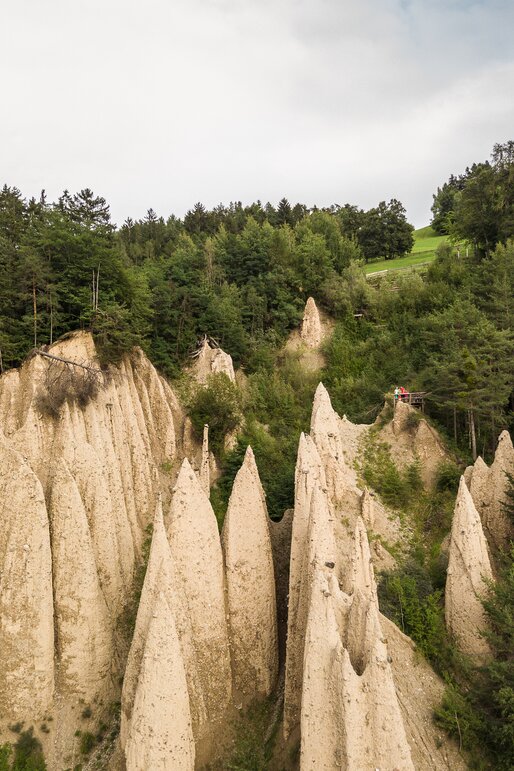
(425, 243)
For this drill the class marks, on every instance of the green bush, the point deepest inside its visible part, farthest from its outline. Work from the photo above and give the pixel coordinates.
(28, 753)
(218, 403)
(5, 754)
(407, 597)
(447, 476)
(87, 742)
(396, 488)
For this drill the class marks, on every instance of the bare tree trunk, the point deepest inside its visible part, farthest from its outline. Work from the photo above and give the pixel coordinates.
(455, 424)
(472, 434)
(34, 303)
(51, 319)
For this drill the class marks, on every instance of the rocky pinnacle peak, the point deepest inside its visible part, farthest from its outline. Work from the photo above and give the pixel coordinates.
(311, 331)
(469, 569)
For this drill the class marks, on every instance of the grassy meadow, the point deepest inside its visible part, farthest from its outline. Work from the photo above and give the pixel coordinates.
(425, 243)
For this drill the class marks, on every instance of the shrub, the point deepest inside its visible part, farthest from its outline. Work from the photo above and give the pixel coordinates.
(447, 476)
(65, 382)
(87, 742)
(407, 597)
(28, 754)
(219, 405)
(5, 754)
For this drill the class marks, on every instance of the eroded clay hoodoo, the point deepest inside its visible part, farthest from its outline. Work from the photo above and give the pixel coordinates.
(250, 585)
(205, 468)
(309, 474)
(469, 569)
(92, 447)
(160, 734)
(489, 488)
(311, 331)
(326, 435)
(160, 578)
(26, 605)
(84, 634)
(350, 716)
(195, 545)
(211, 361)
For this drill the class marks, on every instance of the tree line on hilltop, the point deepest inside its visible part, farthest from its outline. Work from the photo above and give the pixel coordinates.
(239, 272)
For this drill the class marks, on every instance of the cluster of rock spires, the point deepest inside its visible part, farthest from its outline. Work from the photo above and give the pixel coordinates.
(481, 530)
(77, 493)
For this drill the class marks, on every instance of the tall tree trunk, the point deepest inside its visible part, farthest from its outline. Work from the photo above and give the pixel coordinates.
(51, 319)
(472, 434)
(34, 303)
(455, 424)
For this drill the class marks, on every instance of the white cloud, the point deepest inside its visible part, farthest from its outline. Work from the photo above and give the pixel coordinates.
(164, 103)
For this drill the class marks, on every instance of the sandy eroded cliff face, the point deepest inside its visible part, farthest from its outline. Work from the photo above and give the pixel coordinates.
(81, 481)
(78, 487)
(346, 697)
(469, 569)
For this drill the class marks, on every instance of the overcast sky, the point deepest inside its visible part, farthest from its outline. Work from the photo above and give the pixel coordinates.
(163, 103)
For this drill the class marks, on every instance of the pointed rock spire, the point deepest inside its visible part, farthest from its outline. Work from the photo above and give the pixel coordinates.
(350, 716)
(194, 540)
(499, 526)
(211, 361)
(205, 473)
(250, 585)
(309, 472)
(327, 438)
(319, 551)
(468, 570)
(157, 577)
(311, 331)
(160, 734)
(84, 636)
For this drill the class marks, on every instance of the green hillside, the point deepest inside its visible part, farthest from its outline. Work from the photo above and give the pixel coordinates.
(425, 243)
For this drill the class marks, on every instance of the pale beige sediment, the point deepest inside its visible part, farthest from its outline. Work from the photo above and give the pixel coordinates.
(212, 361)
(411, 438)
(195, 545)
(205, 467)
(469, 569)
(107, 458)
(308, 473)
(160, 578)
(350, 712)
(311, 331)
(419, 691)
(26, 604)
(250, 584)
(489, 488)
(326, 434)
(83, 629)
(160, 734)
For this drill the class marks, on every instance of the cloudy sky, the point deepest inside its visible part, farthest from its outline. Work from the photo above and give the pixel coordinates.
(162, 103)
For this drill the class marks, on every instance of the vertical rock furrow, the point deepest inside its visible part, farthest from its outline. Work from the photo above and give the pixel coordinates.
(83, 624)
(26, 604)
(195, 545)
(250, 586)
(160, 734)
